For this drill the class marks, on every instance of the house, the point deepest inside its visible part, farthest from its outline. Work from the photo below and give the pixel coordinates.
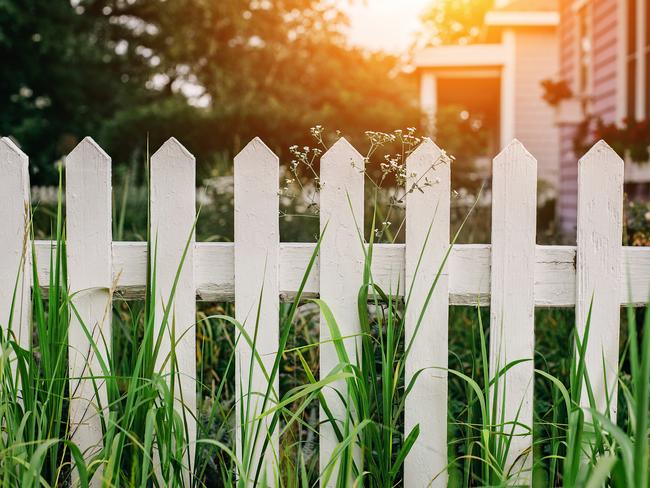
(500, 78)
(604, 50)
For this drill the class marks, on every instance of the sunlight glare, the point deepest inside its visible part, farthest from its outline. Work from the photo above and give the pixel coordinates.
(384, 24)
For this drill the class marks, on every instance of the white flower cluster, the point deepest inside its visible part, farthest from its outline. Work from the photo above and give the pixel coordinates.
(392, 169)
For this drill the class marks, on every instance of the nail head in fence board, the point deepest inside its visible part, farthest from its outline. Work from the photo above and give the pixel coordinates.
(88, 248)
(512, 304)
(598, 266)
(427, 241)
(14, 241)
(341, 270)
(173, 200)
(257, 237)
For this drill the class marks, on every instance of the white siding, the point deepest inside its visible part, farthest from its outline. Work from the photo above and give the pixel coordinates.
(536, 60)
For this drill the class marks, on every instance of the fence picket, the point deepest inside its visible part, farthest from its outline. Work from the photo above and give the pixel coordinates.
(88, 248)
(173, 213)
(427, 241)
(512, 306)
(257, 238)
(15, 252)
(341, 271)
(513, 272)
(598, 268)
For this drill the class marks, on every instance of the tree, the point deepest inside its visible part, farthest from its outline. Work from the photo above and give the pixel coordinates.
(269, 69)
(212, 73)
(62, 76)
(454, 22)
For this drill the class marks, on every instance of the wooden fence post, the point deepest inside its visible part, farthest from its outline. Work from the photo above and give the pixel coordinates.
(598, 269)
(427, 242)
(341, 264)
(173, 212)
(88, 248)
(15, 252)
(257, 238)
(512, 305)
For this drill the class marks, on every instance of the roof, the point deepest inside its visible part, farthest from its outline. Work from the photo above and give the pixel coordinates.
(529, 6)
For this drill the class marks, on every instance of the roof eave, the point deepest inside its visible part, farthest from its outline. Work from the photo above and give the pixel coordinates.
(456, 56)
(497, 18)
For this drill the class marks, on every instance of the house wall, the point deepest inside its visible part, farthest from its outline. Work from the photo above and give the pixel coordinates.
(604, 44)
(536, 59)
(568, 188)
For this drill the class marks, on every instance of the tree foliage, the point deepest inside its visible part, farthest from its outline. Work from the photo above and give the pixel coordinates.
(213, 73)
(454, 21)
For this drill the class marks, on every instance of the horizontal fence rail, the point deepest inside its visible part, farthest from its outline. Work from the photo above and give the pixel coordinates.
(513, 275)
(468, 268)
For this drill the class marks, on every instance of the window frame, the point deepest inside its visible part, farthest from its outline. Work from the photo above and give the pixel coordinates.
(636, 54)
(583, 29)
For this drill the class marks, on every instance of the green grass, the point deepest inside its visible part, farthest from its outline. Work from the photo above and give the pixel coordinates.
(145, 441)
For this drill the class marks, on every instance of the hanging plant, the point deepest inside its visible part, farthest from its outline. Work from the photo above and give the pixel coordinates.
(555, 91)
(631, 139)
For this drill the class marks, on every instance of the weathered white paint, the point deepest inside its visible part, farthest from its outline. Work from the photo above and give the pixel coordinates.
(172, 224)
(599, 267)
(469, 272)
(515, 275)
(89, 248)
(512, 303)
(341, 270)
(15, 264)
(427, 242)
(257, 237)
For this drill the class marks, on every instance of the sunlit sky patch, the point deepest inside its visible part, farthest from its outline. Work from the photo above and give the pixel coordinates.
(385, 24)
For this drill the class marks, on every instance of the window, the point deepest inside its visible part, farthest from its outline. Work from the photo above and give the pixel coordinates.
(646, 46)
(638, 59)
(584, 49)
(631, 59)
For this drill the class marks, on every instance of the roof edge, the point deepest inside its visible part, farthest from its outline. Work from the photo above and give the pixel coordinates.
(470, 55)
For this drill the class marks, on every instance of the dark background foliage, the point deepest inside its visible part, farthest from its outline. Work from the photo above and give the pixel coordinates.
(212, 73)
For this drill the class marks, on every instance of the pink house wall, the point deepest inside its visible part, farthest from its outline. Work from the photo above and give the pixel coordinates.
(604, 45)
(605, 51)
(537, 59)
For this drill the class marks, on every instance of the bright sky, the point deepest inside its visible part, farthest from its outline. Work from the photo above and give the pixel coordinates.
(385, 24)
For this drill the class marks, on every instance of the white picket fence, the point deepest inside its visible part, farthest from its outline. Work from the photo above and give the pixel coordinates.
(513, 274)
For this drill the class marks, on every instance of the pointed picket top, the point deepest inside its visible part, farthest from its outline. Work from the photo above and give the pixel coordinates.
(257, 148)
(87, 148)
(10, 151)
(515, 153)
(12, 156)
(171, 148)
(598, 260)
(14, 164)
(341, 273)
(15, 249)
(427, 242)
(342, 152)
(601, 153)
(426, 147)
(427, 157)
(512, 298)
